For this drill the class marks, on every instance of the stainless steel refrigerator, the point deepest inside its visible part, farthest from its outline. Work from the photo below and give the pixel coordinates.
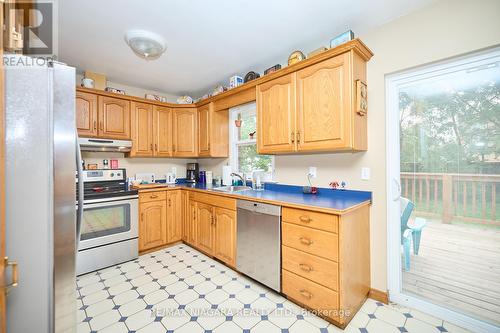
(41, 216)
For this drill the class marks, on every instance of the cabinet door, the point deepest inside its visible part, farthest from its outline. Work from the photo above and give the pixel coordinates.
(205, 221)
(276, 115)
(322, 105)
(86, 114)
(174, 216)
(153, 224)
(162, 122)
(192, 225)
(204, 130)
(225, 235)
(185, 214)
(142, 129)
(114, 118)
(185, 143)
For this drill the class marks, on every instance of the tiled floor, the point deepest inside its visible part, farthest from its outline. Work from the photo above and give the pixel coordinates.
(181, 290)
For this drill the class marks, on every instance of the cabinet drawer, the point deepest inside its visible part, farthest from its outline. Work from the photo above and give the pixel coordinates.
(322, 271)
(152, 196)
(322, 221)
(310, 294)
(317, 242)
(214, 200)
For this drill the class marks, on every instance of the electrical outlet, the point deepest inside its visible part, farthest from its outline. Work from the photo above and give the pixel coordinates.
(365, 173)
(313, 172)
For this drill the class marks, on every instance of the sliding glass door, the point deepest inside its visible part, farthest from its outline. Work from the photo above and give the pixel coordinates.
(444, 172)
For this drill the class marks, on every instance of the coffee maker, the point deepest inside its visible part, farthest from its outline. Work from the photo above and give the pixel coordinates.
(192, 172)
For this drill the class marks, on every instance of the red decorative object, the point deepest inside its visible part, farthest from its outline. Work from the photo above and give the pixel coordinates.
(114, 164)
(334, 185)
(314, 190)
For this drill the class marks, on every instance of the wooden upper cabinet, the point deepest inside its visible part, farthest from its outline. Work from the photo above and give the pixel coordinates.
(205, 222)
(152, 224)
(174, 216)
(276, 115)
(86, 114)
(114, 118)
(213, 131)
(225, 235)
(185, 132)
(323, 105)
(204, 130)
(162, 132)
(142, 125)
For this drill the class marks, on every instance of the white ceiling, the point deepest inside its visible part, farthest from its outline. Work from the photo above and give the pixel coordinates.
(208, 41)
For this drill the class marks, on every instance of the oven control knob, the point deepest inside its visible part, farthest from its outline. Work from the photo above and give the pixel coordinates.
(112, 174)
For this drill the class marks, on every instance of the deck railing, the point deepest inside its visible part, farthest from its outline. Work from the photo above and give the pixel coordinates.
(469, 198)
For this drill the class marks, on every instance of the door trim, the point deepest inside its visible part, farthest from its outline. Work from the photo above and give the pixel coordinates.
(394, 276)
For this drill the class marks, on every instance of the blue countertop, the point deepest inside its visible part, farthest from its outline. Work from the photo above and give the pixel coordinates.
(338, 200)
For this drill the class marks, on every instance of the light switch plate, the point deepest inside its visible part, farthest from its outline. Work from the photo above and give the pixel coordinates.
(365, 173)
(313, 172)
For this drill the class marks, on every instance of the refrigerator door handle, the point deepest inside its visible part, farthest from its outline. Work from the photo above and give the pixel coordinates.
(79, 213)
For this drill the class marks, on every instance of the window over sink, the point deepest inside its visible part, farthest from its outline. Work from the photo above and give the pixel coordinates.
(243, 140)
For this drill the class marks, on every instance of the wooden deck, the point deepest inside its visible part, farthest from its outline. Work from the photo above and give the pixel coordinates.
(458, 266)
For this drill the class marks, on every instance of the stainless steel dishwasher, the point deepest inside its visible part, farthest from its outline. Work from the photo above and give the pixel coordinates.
(259, 242)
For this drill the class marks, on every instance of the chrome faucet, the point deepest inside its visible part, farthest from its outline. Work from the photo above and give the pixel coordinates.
(233, 174)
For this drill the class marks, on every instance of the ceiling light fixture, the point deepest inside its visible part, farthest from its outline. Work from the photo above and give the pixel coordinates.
(146, 44)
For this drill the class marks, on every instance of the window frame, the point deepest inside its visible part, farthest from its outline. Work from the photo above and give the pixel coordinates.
(234, 143)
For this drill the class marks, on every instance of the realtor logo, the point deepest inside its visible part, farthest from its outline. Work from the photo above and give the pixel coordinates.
(29, 27)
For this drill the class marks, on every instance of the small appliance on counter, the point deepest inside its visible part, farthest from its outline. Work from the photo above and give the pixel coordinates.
(145, 177)
(192, 172)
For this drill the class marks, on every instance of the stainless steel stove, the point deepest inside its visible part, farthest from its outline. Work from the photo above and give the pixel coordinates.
(109, 229)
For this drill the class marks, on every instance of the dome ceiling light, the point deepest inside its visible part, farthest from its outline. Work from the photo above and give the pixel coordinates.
(146, 44)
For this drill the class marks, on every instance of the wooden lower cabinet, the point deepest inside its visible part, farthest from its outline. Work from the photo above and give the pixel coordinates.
(225, 235)
(211, 227)
(174, 216)
(205, 222)
(327, 271)
(152, 224)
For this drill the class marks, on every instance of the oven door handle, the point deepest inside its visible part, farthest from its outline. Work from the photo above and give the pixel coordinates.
(79, 212)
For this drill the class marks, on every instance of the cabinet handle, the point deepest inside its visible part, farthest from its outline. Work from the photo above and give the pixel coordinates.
(142, 216)
(305, 267)
(95, 124)
(156, 147)
(173, 148)
(306, 294)
(153, 196)
(169, 202)
(151, 146)
(305, 219)
(292, 137)
(15, 274)
(298, 136)
(101, 126)
(305, 241)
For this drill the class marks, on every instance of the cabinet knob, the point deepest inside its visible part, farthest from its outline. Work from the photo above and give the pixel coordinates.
(306, 294)
(305, 241)
(95, 124)
(101, 126)
(298, 136)
(305, 219)
(292, 137)
(305, 267)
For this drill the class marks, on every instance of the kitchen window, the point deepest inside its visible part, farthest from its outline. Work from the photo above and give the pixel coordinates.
(243, 140)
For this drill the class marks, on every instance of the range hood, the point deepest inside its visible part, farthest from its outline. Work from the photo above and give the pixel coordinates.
(92, 144)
